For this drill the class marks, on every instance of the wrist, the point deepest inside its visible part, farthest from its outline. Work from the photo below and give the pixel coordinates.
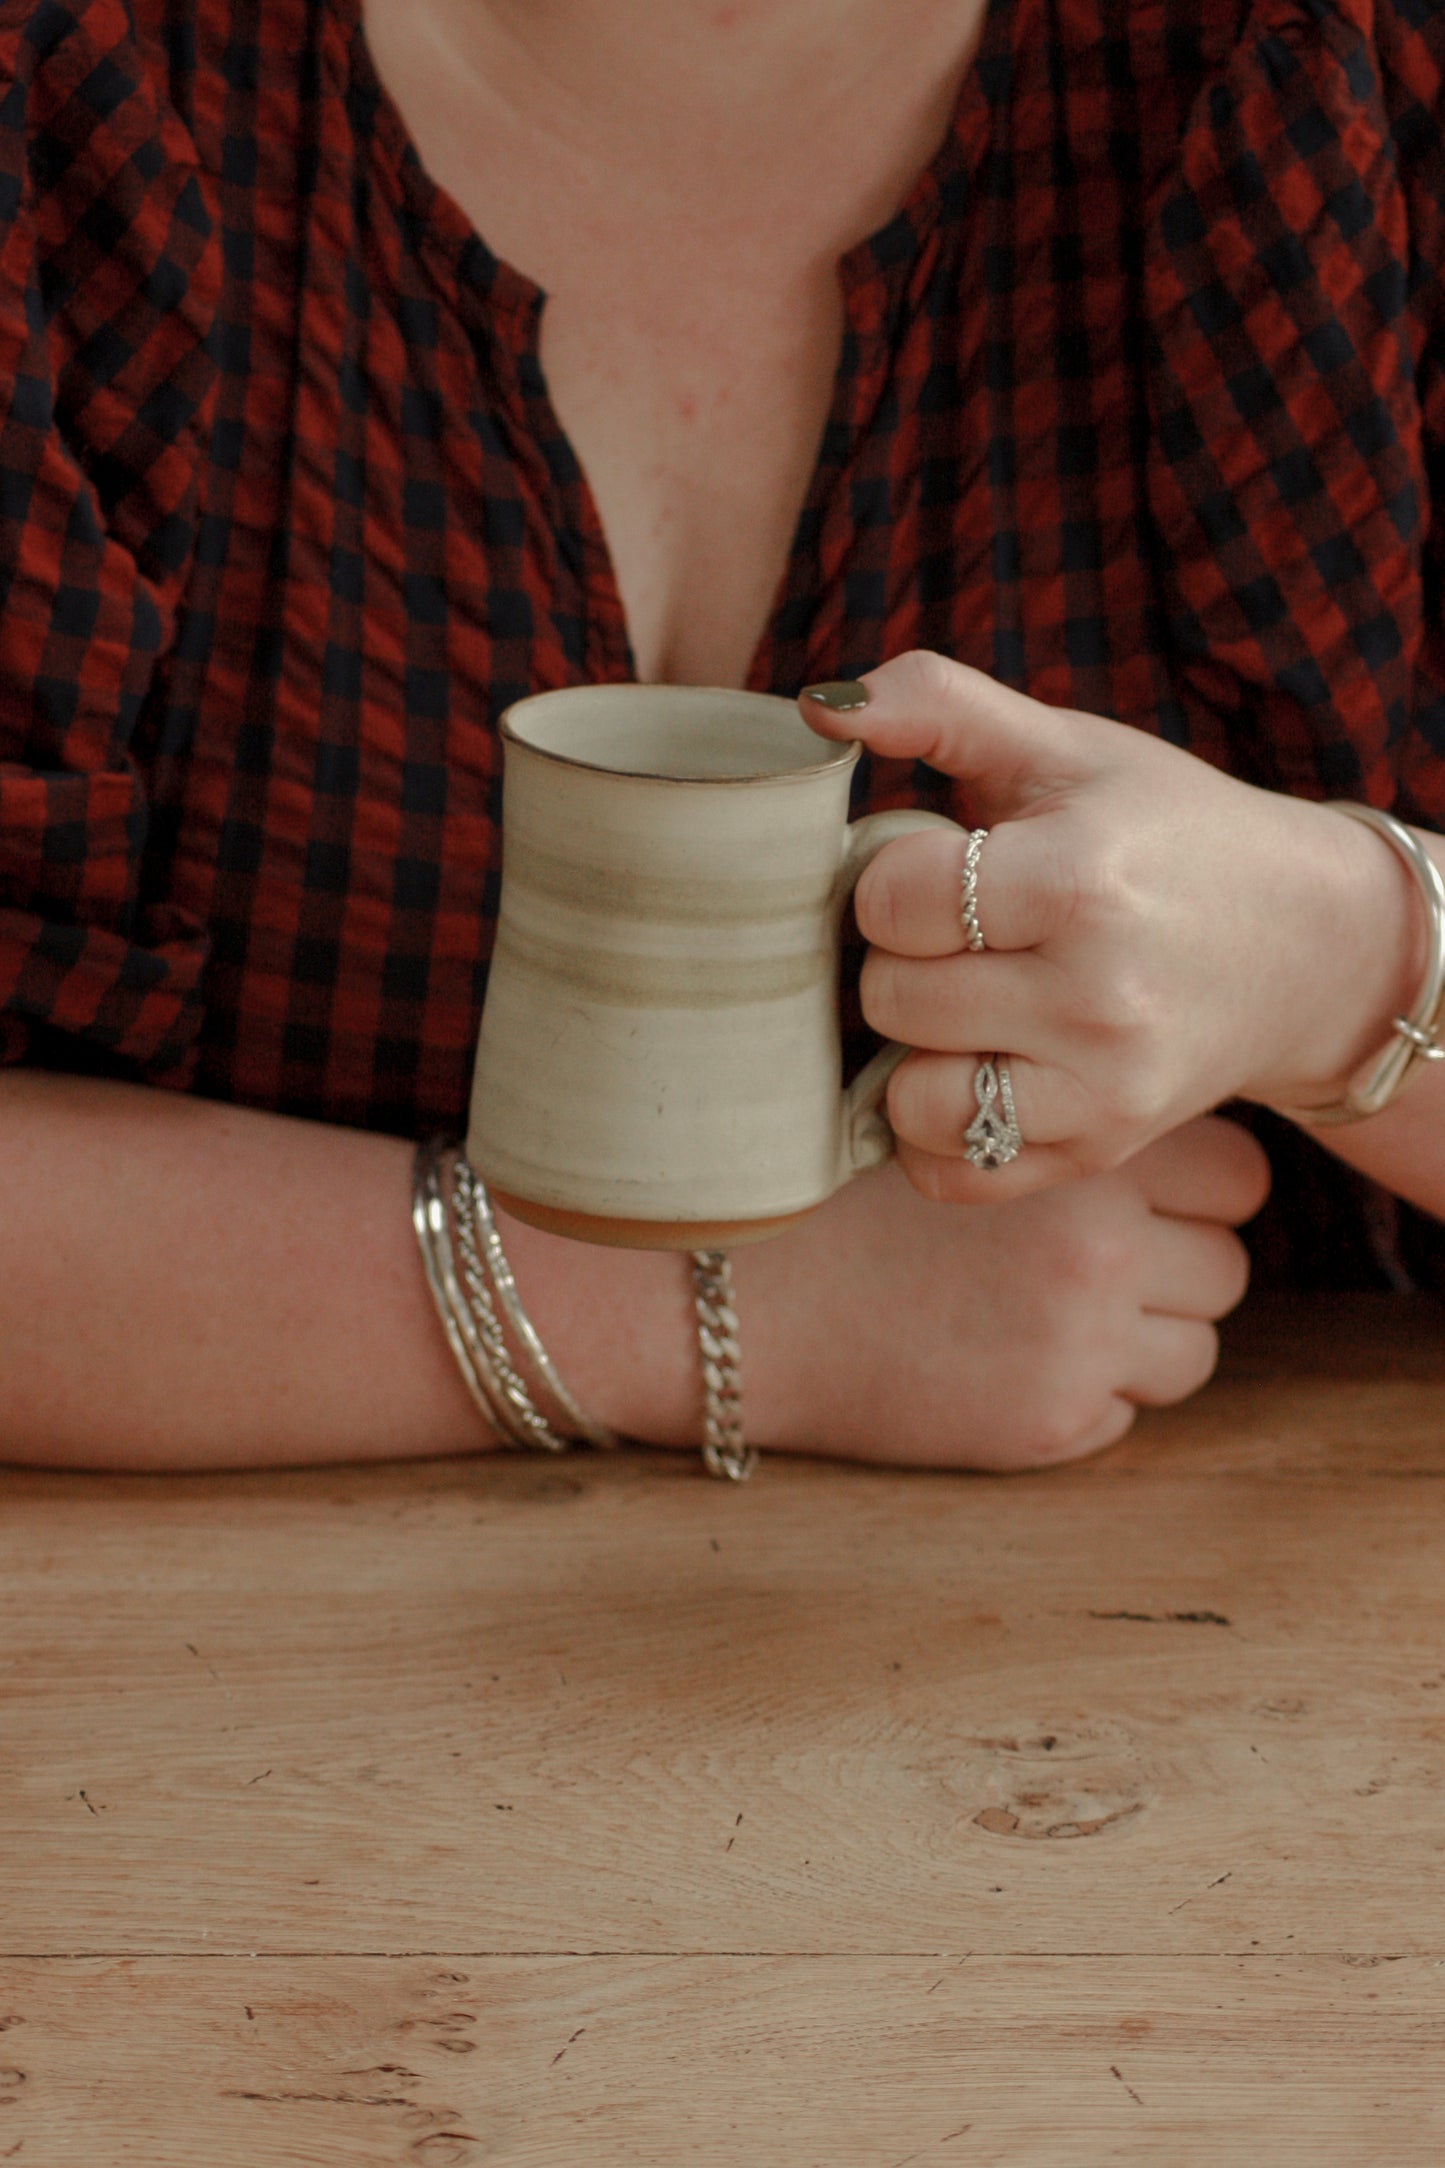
(620, 1326)
(1355, 962)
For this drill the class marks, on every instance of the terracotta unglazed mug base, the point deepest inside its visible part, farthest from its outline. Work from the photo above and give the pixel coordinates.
(640, 1234)
(660, 1062)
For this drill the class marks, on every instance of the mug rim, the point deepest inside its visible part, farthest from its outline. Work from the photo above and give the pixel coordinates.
(841, 755)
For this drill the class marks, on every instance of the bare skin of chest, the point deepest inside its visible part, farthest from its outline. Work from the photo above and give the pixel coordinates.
(683, 201)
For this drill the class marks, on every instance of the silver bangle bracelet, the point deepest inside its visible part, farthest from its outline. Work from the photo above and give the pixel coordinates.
(429, 1219)
(526, 1425)
(475, 1205)
(447, 1240)
(1415, 1037)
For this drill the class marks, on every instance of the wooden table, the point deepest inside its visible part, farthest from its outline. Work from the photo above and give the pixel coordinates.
(511, 1811)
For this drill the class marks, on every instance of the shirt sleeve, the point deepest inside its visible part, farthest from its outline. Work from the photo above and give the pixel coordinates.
(1296, 385)
(1293, 271)
(108, 281)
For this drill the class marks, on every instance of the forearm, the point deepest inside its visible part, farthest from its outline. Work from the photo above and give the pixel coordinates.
(184, 1284)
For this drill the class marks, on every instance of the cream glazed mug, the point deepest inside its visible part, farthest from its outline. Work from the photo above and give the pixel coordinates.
(660, 1063)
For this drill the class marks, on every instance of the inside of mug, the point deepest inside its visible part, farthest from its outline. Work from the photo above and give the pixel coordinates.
(680, 732)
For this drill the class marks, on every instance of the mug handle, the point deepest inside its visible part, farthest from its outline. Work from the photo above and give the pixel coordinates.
(867, 1139)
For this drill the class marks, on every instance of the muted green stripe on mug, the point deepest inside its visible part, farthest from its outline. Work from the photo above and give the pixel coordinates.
(660, 899)
(654, 982)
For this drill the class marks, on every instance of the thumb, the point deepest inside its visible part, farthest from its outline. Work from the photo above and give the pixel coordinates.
(922, 706)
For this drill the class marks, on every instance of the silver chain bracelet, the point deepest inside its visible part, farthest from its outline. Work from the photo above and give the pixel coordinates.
(725, 1452)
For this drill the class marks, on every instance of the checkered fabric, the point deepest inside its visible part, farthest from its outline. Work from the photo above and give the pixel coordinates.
(1140, 407)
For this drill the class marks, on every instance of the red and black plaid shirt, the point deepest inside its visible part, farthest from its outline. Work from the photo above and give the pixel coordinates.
(1140, 407)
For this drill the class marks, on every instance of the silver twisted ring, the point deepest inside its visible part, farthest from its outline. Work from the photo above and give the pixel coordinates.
(972, 931)
(993, 1138)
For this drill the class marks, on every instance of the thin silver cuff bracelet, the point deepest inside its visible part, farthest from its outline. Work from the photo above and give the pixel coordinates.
(1416, 1035)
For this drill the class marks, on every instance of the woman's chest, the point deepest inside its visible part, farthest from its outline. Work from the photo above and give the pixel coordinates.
(688, 249)
(698, 431)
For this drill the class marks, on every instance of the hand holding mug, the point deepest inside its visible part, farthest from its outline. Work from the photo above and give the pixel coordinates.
(1158, 937)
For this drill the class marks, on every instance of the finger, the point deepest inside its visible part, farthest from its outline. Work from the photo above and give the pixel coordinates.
(957, 1181)
(1193, 1268)
(932, 1100)
(1208, 1169)
(910, 900)
(1108, 1431)
(922, 706)
(955, 1004)
(1173, 1358)
(1118, 1417)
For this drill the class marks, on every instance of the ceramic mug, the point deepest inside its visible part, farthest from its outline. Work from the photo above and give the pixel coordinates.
(660, 1063)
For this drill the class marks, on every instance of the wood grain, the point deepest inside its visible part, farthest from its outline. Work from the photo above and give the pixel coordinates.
(643, 2063)
(735, 1780)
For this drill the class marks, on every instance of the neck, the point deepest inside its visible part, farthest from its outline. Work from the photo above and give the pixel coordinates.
(736, 46)
(696, 81)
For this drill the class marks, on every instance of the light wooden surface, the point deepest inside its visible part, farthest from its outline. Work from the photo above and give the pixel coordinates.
(521, 1812)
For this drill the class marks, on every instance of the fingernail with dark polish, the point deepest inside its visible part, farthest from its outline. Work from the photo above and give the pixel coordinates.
(842, 695)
